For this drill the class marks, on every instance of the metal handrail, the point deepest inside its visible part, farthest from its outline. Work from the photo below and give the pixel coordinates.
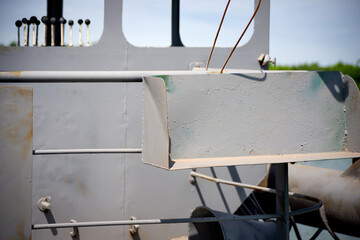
(153, 221)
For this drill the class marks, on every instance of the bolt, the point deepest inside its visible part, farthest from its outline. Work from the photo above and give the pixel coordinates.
(18, 24)
(52, 22)
(80, 21)
(87, 22)
(71, 23)
(25, 21)
(62, 24)
(45, 21)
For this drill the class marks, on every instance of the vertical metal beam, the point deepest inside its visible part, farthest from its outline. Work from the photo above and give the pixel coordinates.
(175, 24)
(54, 9)
(282, 200)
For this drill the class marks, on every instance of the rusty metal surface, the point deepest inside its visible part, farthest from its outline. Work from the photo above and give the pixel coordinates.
(249, 118)
(16, 134)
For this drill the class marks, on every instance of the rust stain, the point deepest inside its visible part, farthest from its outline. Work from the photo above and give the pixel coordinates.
(27, 143)
(15, 73)
(82, 188)
(20, 230)
(24, 92)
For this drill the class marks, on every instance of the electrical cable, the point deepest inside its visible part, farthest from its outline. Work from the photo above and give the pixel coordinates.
(232, 51)
(217, 34)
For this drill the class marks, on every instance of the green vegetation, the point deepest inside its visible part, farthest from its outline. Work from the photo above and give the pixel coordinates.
(347, 69)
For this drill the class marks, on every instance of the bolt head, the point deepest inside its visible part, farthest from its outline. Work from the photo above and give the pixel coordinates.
(52, 20)
(45, 19)
(18, 23)
(33, 19)
(62, 20)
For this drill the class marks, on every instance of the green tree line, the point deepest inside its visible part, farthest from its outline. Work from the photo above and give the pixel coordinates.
(347, 69)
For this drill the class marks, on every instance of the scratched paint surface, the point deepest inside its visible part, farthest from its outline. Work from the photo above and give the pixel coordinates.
(15, 161)
(256, 114)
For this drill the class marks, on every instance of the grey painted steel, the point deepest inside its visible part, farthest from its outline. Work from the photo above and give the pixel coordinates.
(85, 151)
(155, 221)
(16, 134)
(108, 187)
(99, 76)
(113, 52)
(254, 118)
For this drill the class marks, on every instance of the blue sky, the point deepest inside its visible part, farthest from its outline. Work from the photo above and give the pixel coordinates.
(323, 31)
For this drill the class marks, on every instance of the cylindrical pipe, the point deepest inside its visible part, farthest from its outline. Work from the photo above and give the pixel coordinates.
(340, 194)
(52, 22)
(28, 33)
(24, 21)
(37, 32)
(62, 30)
(87, 22)
(18, 24)
(33, 20)
(80, 21)
(45, 21)
(153, 221)
(86, 151)
(71, 23)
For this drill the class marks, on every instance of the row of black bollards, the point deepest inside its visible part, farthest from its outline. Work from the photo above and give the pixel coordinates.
(49, 25)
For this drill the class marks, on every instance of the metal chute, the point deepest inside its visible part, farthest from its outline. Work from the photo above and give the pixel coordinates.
(245, 229)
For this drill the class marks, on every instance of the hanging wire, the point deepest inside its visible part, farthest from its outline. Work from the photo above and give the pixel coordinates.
(217, 34)
(257, 8)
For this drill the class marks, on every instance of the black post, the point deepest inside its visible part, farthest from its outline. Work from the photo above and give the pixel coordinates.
(282, 200)
(175, 24)
(54, 9)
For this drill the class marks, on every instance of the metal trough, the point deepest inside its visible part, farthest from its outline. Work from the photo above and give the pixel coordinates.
(192, 121)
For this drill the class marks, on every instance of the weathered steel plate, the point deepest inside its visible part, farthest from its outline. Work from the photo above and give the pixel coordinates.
(16, 134)
(253, 118)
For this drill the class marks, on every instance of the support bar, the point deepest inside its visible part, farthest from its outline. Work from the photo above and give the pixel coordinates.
(152, 221)
(86, 151)
(264, 189)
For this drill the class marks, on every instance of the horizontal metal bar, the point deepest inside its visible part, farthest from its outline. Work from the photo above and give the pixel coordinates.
(97, 76)
(153, 221)
(86, 151)
(265, 189)
(244, 185)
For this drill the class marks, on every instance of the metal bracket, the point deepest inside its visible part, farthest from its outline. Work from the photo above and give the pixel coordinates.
(134, 228)
(264, 59)
(44, 204)
(75, 233)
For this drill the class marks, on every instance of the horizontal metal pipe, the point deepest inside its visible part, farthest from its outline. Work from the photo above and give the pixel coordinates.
(86, 151)
(244, 185)
(264, 189)
(94, 76)
(153, 221)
